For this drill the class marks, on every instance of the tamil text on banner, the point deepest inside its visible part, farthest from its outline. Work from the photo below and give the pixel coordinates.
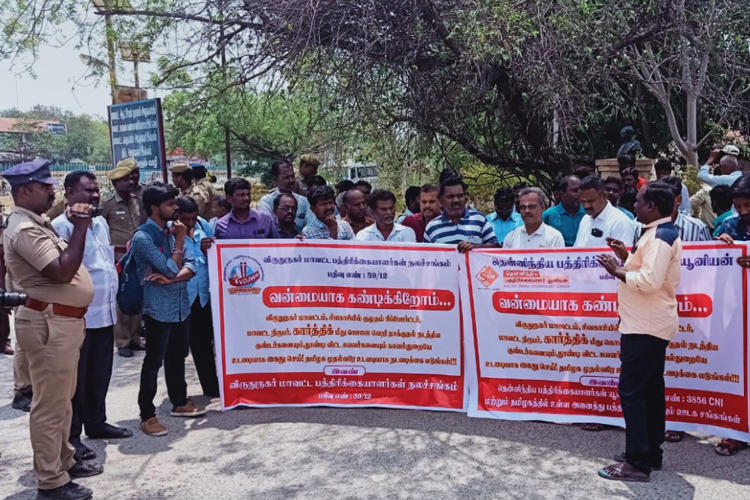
(337, 323)
(546, 344)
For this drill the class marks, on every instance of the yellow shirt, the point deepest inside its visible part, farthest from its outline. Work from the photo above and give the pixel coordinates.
(647, 302)
(30, 244)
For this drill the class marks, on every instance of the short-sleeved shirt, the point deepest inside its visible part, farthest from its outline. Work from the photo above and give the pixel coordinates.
(317, 230)
(544, 237)
(472, 227)
(258, 225)
(557, 217)
(733, 226)
(398, 233)
(202, 197)
(123, 216)
(609, 223)
(198, 285)
(303, 207)
(30, 244)
(417, 223)
(98, 258)
(359, 226)
(720, 219)
(502, 227)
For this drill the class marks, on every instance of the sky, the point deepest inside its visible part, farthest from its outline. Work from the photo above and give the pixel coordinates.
(60, 82)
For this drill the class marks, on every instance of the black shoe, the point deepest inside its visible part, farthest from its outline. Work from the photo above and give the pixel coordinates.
(108, 431)
(83, 469)
(70, 491)
(620, 457)
(137, 346)
(125, 352)
(83, 452)
(22, 401)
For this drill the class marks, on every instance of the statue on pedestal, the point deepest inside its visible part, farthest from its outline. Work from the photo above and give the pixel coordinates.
(630, 144)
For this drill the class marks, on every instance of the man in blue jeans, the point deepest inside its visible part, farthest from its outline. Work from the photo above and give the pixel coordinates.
(164, 269)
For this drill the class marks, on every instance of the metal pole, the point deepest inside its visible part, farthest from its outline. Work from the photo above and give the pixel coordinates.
(135, 71)
(227, 141)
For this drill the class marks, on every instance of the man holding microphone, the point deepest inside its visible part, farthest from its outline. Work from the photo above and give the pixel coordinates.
(647, 307)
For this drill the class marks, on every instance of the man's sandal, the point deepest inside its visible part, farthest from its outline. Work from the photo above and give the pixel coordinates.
(729, 447)
(623, 472)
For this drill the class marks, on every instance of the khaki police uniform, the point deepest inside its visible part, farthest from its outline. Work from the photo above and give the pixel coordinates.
(123, 216)
(58, 206)
(201, 196)
(50, 330)
(210, 194)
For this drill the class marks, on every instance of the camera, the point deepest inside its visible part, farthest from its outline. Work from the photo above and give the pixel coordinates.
(12, 299)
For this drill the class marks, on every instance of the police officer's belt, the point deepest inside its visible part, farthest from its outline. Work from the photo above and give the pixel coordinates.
(57, 309)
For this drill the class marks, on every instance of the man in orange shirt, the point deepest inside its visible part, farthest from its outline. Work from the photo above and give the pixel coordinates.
(647, 306)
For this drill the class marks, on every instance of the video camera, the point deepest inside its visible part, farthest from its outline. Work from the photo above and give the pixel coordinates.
(12, 299)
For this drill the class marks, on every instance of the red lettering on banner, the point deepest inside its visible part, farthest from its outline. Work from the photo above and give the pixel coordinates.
(359, 297)
(573, 398)
(603, 305)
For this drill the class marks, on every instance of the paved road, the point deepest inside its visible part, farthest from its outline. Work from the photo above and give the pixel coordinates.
(358, 453)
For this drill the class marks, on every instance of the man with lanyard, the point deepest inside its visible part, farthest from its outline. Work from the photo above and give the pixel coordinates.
(647, 307)
(458, 225)
(504, 219)
(282, 173)
(122, 212)
(566, 216)
(50, 327)
(383, 205)
(95, 361)
(200, 325)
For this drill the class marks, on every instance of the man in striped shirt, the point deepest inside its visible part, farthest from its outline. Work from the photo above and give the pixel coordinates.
(458, 225)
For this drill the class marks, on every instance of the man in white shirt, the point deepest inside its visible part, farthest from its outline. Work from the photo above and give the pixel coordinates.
(602, 220)
(95, 362)
(383, 206)
(534, 233)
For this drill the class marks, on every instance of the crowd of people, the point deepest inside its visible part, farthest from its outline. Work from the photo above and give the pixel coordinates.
(72, 264)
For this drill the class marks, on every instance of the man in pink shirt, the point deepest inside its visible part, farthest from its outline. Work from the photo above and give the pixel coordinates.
(647, 306)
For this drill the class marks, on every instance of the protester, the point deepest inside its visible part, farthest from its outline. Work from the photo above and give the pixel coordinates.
(721, 203)
(282, 173)
(602, 220)
(411, 197)
(243, 222)
(727, 171)
(200, 323)
(184, 180)
(95, 360)
(164, 268)
(308, 169)
(383, 205)
(700, 205)
(429, 208)
(505, 218)
(566, 216)
(122, 213)
(689, 228)
(663, 168)
(647, 308)
(325, 225)
(533, 233)
(630, 181)
(220, 206)
(613, 188)
(458, 225)
(204, 183)
(50, 327)
(626, 162)
(285, 210)
(736, 228)
(355, 205)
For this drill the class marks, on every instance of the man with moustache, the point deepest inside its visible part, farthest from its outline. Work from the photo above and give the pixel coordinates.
(383, 205)
(602, 220)
(566, 216)
(282, 173)
(534, 233)
(326, 225)
(429, 208)
(504, 219)
(123, 213)
(285, 208)
(50, 327)
(95, 360)
(355, 202)
(243, 222)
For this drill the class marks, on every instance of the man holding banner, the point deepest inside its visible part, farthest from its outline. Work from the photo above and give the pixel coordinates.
(647, 307)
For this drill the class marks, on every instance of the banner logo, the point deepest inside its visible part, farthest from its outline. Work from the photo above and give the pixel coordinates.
(243, 273)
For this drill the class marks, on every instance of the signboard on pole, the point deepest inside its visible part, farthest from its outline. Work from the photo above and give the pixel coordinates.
(137, 130)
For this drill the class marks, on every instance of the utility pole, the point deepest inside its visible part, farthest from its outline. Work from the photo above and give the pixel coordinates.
(104, 6)
(227, 141)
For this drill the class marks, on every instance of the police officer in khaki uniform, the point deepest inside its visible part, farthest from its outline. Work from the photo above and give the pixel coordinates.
(50, 326)
(182, 178)
(202, 181)
(135, 174)
(308, 169)
(123, 214)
